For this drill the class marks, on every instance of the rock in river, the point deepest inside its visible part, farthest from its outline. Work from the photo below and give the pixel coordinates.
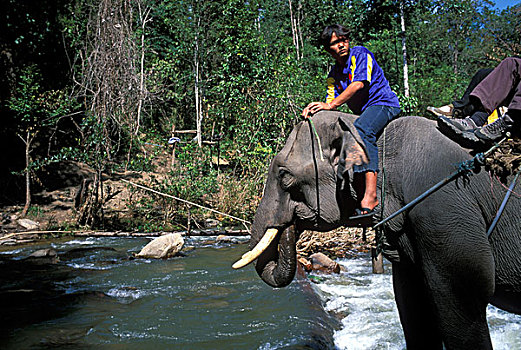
(163, 247)
(320, 262)
(43, 256)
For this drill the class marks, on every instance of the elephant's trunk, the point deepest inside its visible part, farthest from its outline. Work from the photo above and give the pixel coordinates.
(277, 264)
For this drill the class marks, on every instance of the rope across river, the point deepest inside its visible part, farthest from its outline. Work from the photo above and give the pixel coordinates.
(188, 202)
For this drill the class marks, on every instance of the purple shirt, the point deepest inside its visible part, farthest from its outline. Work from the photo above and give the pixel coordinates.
(361, 66)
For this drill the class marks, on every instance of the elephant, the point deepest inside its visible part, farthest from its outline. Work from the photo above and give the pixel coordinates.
(446, 270)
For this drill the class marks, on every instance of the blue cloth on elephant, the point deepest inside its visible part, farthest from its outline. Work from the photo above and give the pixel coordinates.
(376, 104)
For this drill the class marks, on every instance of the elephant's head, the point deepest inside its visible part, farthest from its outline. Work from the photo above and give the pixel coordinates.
(304, 191)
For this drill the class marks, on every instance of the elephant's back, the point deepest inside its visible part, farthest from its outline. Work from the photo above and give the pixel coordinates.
(420, 145)
(418, 130)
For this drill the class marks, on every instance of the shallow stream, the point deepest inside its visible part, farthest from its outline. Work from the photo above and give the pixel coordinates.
(96, 297)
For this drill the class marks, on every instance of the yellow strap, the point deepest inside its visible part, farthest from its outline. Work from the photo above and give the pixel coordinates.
(492, 117)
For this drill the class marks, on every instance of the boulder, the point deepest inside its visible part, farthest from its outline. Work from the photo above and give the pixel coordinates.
(320, 262)
(305, 263)
(44, 253)
(28, 224)
(43, 256)
(163, 247)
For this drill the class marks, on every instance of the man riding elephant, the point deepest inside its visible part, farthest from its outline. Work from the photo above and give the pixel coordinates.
(357, 80)
(447, 270)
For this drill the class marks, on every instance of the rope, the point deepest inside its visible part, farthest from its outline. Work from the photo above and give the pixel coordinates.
(315, 166)
(379, 233)
(518, 195)
(318, 138)
(503, 204)
(188, 202)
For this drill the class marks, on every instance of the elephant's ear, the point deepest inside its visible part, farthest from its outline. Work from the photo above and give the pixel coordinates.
(353, 148)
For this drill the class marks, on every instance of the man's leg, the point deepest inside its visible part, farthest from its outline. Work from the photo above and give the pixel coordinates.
(501, 86)
(468, 112)
(464, 106)
(369, 125)
(370, 199)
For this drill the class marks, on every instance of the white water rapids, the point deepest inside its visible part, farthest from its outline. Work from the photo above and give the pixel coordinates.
(365, 303)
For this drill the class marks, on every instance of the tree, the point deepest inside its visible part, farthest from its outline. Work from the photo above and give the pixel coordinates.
(35, 110)
(111, 79)
(504, 32)
(404, 51)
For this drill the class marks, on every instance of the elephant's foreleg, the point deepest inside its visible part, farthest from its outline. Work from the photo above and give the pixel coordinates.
(419, 321)
(461, 282)
(462, 316)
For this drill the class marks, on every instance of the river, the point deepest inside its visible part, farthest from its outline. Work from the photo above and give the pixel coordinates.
(97, 296)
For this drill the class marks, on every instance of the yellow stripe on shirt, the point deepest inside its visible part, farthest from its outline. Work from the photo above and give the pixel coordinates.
(369, 67)
(353, 67)
(330, 89)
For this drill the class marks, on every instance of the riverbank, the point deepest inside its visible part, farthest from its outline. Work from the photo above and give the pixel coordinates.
(132, 211)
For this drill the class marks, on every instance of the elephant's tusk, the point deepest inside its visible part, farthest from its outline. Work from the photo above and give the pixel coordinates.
(253, 254)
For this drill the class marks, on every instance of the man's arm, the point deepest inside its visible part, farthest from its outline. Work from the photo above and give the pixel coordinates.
(345, 96)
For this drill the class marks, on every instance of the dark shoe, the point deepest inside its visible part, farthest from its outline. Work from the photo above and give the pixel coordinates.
(459, 130)
(496, 130)
(362, 219)
(458, 113)
(459, 125)
(442, 111)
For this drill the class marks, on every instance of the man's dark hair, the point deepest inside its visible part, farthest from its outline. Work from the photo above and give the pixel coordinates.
(338, 29)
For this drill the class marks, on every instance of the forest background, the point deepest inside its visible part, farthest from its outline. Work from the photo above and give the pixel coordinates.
(105, 85)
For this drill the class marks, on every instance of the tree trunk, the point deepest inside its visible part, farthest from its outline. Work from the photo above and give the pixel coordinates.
(299, 29)
(27, 142)
(144, 19)
(404, 52)
(294, 29)
(455, 60)
(198, 95)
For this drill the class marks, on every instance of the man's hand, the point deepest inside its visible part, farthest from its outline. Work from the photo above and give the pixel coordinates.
(314, 107)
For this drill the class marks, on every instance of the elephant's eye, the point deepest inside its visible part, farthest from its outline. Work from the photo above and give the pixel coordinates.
(286, 179)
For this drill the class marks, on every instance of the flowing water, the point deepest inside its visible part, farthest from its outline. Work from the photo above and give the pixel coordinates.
(97, 296)
(365, 304)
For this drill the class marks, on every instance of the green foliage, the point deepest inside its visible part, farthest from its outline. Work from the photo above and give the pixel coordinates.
(253, 77)
(92, 145)
(34, 212)
(408, 104)
(37, 111)
(192, 179)
(25, 101)
(33, 106)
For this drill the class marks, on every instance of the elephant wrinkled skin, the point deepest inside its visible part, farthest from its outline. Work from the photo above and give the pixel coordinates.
(448, 270)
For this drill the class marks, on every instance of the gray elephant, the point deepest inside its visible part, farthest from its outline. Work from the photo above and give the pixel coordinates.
(447, 271)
